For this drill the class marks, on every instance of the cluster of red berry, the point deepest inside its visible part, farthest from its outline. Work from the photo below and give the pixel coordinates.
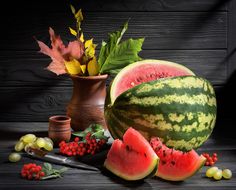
(90, 146)
(32, 171)
(210, 160)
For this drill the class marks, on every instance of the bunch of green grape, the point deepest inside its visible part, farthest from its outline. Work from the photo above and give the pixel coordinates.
(30, 140)
(217, 173)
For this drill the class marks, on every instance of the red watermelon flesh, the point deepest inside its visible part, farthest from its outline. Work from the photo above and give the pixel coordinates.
(133, 158)
(176, 165)
(145, 71)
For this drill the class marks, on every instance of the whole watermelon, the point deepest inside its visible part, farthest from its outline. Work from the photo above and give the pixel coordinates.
(180, 110)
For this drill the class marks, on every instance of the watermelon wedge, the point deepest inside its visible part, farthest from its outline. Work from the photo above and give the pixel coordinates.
(176, 165)
(133, 158)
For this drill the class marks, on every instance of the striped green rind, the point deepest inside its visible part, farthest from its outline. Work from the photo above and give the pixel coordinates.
(124, 72)
(179, 110)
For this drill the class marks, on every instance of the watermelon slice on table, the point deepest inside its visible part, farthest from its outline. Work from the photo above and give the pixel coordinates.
(133, 158)
(176, 165)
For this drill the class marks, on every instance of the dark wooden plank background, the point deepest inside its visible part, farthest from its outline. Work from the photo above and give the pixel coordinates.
(198, 34)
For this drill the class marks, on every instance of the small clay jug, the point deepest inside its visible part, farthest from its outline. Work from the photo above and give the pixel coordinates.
(87, 102)
(59, 128)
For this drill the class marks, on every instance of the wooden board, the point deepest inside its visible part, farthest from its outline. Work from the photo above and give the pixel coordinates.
(162, 30)
(118, 5)
(39, 103)
(80, 179)
(33, 103)
(28, 68)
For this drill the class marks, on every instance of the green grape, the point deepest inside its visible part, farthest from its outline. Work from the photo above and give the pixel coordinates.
(19, 146)
(211, 171)
(48, 139)
(29, 138)
(41, 142)
(227, 174)
(48, 146)
(218, 175)
(21, 139)
(32, 145)
(14, 157)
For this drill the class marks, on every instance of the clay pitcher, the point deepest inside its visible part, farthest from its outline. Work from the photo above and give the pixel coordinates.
(87, 102)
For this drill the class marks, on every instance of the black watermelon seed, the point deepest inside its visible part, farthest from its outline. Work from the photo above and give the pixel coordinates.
(172, 162)
(164, 153)
(163, 162)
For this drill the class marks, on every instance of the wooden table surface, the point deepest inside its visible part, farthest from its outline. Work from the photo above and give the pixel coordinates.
(82, 179)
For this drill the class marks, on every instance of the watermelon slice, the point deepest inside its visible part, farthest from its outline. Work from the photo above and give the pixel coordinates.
(145, 71)
(176, 165)
(132, 159)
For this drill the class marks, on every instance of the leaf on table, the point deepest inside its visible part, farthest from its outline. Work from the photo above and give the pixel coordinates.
(47, 166)
(50, 172)
(50, 176)
(95, 130)
(62, 170)
(100, 135)
(79, 134)
(94, 127)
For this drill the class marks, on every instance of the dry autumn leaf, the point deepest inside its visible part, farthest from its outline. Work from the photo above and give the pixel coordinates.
(93, 67)
(59, 53)
(73, 67)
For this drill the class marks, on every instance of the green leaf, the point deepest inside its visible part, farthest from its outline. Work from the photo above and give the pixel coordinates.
(113, 40)
(100, 135)
(51, 176)
(102, 54)
(79, 134)
(62, 170)
(47, 172)
(122, 32)
(96, 127)
(121, 56)
(51, 172)
(95, 130)
(47, 166)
